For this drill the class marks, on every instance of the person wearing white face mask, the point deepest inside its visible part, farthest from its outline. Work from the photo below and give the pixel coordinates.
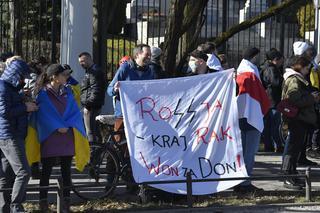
(213, 61)
(197, 63)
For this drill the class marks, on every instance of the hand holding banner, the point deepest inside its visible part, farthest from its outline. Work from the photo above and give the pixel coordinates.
(180, 125)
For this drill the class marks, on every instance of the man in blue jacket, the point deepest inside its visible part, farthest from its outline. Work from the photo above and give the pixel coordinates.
(135, 69)
(13, 122)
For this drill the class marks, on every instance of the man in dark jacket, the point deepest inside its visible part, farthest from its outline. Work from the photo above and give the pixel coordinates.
(271, 76)
(155, 64)
(13, 122)
(197, 64)
(92, 95)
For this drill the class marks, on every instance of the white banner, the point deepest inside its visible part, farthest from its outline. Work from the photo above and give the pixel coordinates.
(184, 124)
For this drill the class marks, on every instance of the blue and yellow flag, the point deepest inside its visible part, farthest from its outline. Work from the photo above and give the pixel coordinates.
(47, 119)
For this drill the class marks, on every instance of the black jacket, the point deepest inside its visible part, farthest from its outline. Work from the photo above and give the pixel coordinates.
(93, 88)
(272, 79)
(157, 70)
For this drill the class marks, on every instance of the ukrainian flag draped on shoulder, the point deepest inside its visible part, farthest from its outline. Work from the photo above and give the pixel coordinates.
(47, 119)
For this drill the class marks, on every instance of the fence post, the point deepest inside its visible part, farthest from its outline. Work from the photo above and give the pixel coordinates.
(189, 190)
(308, 185)
(59, 195)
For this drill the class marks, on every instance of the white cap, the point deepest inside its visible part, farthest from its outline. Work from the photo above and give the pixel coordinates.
(299, 47)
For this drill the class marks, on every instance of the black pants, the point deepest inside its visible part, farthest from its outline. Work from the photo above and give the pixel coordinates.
(47, 164)
(298, 131)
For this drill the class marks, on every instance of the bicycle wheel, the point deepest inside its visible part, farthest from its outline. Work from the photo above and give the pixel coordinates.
(104, 171)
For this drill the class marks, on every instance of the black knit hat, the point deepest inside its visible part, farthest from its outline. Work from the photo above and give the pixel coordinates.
(250, 52)
(199, 54)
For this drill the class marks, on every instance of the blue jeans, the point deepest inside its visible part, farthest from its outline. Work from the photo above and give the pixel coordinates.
(271, 136)
(250, 145)
(14, 173)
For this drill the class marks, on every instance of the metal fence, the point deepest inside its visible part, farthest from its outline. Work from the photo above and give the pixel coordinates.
(147, 20)
(30, 28)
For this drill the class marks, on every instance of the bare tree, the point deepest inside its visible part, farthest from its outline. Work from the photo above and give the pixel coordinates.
(186, 19)
(15, 20)
(183, 14)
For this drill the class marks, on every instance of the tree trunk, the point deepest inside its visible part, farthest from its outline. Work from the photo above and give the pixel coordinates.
(15, 29)
(109, 17)
(179, 23)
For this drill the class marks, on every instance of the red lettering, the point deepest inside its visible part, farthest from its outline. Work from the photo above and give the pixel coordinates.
(163, 109)
(214, 135)
(224, 133)
(203, 131)
(218, 105)
(152, 167)
(165, 169)
(148, 111)
(174, 171)
(201, 136)
(207, 106)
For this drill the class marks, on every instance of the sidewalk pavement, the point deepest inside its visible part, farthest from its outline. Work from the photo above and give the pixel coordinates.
(266, 164)
(270, 164)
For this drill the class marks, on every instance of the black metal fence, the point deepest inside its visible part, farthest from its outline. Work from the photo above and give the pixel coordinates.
(59, 188)
(147, 20)
(30, 28)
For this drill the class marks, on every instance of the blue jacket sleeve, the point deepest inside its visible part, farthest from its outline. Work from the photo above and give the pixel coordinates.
(119, 76)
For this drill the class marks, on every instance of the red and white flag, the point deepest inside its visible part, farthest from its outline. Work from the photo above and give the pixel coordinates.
(253, 101)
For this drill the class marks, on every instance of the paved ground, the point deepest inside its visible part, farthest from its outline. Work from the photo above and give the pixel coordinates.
(266, 164)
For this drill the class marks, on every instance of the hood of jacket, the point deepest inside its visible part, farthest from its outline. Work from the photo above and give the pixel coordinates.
(289, 72)
(15, 72)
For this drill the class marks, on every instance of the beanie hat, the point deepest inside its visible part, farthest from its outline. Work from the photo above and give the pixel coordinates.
(299, 47)
(250, 52)
(155, 52)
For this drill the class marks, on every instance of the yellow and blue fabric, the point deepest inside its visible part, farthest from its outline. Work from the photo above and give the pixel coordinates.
(47, 119)
(75, 86)
(315, 78)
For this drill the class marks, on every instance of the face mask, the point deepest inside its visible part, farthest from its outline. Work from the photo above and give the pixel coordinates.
(193, 66)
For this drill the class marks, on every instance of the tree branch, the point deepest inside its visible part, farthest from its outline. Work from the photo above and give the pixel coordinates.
(272, 11)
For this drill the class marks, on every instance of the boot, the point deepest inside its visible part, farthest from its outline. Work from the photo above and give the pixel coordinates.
(66, 205)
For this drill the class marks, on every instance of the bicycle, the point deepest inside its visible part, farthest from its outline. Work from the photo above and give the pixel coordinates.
(107, 163)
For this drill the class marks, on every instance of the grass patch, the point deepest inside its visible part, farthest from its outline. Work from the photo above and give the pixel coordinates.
(228, 199)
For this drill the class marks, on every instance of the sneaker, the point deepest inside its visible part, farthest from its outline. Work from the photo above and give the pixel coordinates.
(291, 183)
(247, 189)
(306, 162)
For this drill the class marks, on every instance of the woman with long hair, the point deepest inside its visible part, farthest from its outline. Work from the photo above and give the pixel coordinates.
(58, 124)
